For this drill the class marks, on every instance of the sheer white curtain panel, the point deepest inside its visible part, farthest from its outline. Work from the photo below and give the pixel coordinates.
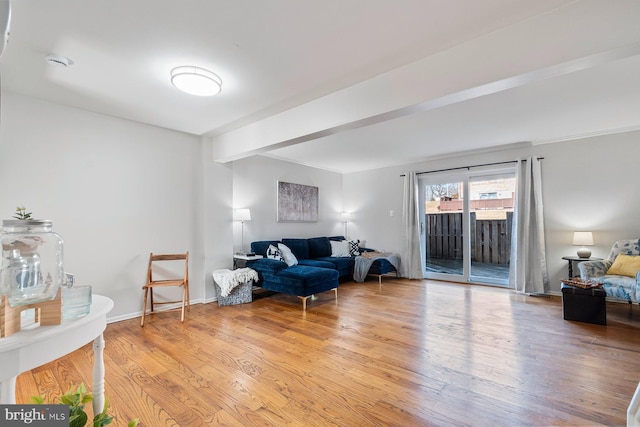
(528, 265)
(411, 265)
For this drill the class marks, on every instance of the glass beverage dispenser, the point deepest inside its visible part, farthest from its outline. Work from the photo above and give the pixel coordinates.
(32, 261)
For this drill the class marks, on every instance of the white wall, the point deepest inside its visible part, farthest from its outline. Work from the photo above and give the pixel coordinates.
(588, 184)
(254, 187)
(115, 190)
(217, 224)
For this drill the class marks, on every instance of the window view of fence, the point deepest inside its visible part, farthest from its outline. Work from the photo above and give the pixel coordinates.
(490, 238)
(491, 214)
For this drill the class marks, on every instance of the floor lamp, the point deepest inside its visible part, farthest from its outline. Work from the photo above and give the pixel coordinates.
(242, 215)
(346, 216)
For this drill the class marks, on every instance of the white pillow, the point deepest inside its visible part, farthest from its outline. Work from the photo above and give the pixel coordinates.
(340, 249)
(288, 256)
(274, 253)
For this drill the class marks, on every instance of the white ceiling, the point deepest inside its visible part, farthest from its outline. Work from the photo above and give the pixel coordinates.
(344, 85)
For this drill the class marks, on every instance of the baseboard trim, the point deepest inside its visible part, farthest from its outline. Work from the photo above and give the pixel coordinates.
(165, 307)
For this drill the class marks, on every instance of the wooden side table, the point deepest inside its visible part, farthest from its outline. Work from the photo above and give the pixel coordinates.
(572, 259)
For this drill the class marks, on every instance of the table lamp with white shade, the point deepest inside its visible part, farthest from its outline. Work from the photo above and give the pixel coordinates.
(242, 215)
(583, 239)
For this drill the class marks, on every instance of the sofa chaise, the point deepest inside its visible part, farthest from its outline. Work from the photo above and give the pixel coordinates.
(315, 269)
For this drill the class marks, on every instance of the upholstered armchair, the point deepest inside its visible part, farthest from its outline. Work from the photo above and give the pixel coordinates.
(626, 287)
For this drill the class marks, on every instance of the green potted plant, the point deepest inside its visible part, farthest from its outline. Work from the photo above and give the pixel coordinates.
(76, 400)
(21, 213)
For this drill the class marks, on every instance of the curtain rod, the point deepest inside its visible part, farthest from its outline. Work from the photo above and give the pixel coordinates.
(474, 166)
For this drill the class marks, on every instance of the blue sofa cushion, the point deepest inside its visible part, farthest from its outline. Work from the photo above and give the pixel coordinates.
(267, 265)
(299, 247)
(260, 247)
(303, 281)
(344, 265)
(337, 238)
(319, 247)
(317, 263)
(381, 266)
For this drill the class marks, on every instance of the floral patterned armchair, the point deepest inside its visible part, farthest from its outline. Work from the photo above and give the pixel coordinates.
(622, 287)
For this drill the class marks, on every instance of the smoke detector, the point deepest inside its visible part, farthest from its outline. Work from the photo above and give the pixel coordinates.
(59, 60)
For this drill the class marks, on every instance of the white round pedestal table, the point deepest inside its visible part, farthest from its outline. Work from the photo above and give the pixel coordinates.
(36, 345)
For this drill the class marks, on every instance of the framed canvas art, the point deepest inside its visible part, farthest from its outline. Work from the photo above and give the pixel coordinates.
(297, 202)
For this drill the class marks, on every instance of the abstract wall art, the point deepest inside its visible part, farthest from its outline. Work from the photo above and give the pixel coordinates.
(297, 202)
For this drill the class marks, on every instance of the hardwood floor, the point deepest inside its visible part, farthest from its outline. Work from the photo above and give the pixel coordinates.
(414, 353)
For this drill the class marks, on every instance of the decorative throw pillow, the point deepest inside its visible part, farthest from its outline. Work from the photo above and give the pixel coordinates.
(287, 255)
(274, 253)
(340, 249)
(625, 265)
(354, 247)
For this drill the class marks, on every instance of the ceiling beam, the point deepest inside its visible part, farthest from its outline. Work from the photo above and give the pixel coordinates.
(547, 46)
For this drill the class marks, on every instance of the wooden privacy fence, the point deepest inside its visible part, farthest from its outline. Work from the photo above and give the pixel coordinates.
(490, 239)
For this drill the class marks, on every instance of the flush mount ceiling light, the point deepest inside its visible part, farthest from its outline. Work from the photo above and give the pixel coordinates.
(196, 80)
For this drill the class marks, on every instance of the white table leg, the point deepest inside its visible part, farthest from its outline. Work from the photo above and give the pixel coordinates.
(8, 391)
(98, 374)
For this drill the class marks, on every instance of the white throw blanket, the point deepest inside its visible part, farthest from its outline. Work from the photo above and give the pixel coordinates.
(229, 279)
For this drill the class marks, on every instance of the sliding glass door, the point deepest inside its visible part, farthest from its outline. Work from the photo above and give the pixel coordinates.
(467, 225)
(491, 204)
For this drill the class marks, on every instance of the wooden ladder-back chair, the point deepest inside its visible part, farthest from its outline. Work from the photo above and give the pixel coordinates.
(182, 281)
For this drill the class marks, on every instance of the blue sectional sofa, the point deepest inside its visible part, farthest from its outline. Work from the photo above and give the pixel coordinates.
(316, 270)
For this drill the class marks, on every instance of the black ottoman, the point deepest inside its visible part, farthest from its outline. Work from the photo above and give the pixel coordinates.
(584, 305)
